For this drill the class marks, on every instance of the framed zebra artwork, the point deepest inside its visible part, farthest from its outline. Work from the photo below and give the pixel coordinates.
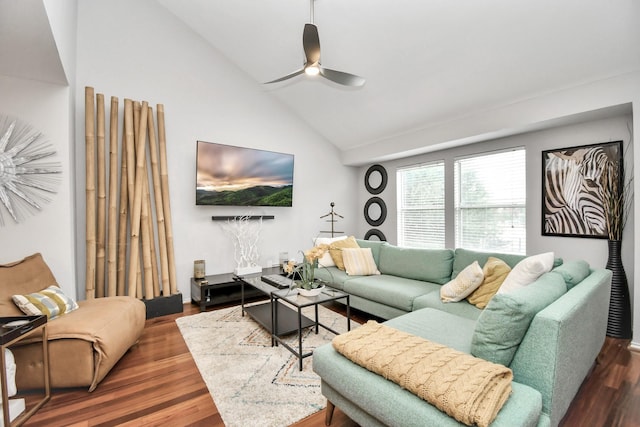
(572, 189)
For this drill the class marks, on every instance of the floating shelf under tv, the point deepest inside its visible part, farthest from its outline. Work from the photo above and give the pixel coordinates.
(228, 218)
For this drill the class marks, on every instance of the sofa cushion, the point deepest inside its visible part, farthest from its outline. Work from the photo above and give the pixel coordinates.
(432, 300)
(495, 271)
(359, 262)
(375, 247)
(28, 275)
(71, 363)
(573, 272)
(465, 282)
(335, 249)
(333, 276)
(110, 326)
(527, 271)
(393, 291)
(51, 302)
(438, 326)
(504, 322)
(429, 265)
(464, 257)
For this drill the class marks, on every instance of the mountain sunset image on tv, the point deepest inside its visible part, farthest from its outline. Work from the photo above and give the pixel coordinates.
(236, 176)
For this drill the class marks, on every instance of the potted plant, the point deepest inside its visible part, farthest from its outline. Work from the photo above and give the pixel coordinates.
(303, 274)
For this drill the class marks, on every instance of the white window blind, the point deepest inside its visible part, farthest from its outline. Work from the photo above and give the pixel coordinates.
(490, 202)
(421, 206)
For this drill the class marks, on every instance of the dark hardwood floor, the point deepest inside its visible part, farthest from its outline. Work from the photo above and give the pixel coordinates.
(158, 384)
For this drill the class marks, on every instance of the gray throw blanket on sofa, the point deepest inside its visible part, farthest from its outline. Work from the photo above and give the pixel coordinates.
(467, 388)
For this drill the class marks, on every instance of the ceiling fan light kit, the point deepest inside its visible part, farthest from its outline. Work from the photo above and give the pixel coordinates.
(312, 67)
(312, 70)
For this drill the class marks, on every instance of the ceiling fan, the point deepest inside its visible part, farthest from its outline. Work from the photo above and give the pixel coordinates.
(312, 67)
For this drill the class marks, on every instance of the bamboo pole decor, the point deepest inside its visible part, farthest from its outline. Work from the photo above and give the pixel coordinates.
(136, 135)
(123, 240)
(157, 192)
(112, 231)
(134, 249)
(130, 131)
(102, 198)
(150, 260)
(164, 178)
(145, 231)
(90, 188)
(123, 216)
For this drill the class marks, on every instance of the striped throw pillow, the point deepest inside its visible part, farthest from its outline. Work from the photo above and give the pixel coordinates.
(359, 262)
(51, 302)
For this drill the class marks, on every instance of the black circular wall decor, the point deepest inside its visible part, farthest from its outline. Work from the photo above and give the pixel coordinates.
(383, 179)
(375, 232)
(383, 211)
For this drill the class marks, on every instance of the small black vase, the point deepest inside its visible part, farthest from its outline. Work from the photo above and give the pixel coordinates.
(619, 324)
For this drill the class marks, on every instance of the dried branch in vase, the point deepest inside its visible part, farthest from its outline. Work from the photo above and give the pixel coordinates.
(617, 197)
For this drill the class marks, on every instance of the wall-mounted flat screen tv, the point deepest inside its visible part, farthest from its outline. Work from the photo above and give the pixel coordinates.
(236, 176)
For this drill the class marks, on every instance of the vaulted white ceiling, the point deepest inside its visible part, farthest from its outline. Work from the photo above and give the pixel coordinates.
(425, 61)
(27, 46)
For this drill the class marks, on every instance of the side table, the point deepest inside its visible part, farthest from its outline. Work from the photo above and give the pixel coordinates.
(216, 289)
(9, 335)
(299, 302)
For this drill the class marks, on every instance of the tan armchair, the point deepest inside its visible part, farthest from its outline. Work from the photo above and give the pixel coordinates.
(84, 344)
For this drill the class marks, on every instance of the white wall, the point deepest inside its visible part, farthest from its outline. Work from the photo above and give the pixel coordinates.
(140, 51)
(63, 22)
(50, 231)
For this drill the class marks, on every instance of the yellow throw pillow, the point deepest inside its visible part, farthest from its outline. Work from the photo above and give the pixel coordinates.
(495, 271)
(335, 249)
(465, 282)
(359, 262)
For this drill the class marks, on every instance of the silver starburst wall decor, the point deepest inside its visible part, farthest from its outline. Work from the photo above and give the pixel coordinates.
(26, 182)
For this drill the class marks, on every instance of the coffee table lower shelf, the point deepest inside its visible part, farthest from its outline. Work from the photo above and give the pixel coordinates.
(287, 318)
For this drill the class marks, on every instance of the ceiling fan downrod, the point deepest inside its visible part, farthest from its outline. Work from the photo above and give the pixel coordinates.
(311, 13)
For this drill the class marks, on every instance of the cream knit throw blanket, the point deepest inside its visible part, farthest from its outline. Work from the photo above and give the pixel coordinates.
(467, 388)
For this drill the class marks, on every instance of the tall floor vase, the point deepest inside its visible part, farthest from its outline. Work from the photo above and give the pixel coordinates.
(619, 324)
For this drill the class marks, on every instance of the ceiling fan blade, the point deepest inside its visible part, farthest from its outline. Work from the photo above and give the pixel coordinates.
(342, 78)
(287, 77)
(311, 43)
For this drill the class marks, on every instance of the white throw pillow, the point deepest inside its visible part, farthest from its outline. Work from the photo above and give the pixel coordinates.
(326, 260)
(467, 281)
(359, 262)
(527, 271)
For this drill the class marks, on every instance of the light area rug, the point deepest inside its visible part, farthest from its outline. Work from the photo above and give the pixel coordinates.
(252, 383)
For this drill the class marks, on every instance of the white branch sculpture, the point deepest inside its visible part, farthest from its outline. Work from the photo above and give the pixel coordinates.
(245, 235)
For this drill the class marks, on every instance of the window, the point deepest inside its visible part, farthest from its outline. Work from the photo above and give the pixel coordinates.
(490, 202)
(421, 206)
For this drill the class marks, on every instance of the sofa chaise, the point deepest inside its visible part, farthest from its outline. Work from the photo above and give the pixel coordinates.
(84, 344)
(548, 333)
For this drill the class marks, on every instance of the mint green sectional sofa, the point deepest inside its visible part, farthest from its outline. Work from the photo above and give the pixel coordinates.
(549, 333)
